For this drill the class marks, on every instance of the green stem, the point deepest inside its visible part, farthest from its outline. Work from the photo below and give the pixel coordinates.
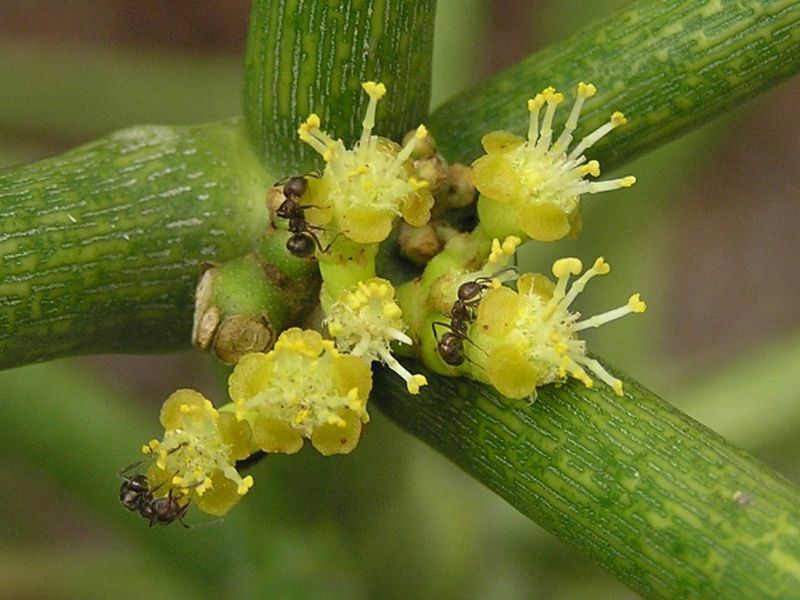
(664, 504)
(668, 65)
(100, 248)
(306, 56)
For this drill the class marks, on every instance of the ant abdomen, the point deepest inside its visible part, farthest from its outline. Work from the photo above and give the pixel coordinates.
(295, 187)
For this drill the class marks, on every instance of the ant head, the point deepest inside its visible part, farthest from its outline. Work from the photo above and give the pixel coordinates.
(301, 245)
(471, 290)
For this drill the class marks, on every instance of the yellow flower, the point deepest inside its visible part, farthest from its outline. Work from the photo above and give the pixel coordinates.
(529, 337)
(533, 186)
(198, 453)
(370, 184)
(303, 388)
(365, 320)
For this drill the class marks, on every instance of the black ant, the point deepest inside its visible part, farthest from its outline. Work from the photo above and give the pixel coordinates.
(135, 495)
(303, 240)
(464, 310)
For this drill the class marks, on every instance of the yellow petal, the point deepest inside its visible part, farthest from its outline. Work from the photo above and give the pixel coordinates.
(218, 499)
(365, 225)
(416, 207)
(495, 178)
(536, 284)
(511, 373)
(332, 439)
(312, 342)
(236, 434)
(575, 224)
(317, 196)
(273, 435)
(352, 372)
(499, 219)
(498, 142)
(319, 217)
(497, 312)
(250, 376)
(171, 416)
(544, 222)
(158, 479)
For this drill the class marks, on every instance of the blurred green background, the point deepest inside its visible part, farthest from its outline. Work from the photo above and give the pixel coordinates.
(708, 235)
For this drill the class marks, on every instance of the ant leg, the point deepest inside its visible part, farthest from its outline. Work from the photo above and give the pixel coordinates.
(472, 362)
(159, 486)
(122, 474)
(509, 269)
(315, 238)
(176, 500)
(486, 280)
(216, 521)
(315, 174)
(483, 281)
(320, 247)
(476, 345)
(450, 327)
(440, 324)
(185, 509)
(328, 247)
(183, 514)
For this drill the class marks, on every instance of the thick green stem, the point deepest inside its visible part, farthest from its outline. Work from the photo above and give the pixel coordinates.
(306, 56)
(667, 506)
(100, 248)
(668, 65)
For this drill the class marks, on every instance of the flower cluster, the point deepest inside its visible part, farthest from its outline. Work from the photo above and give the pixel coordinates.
(302, 389)
(197, 456)
(359, 195)
(528, 337)
(469, 313)
(532, 186)
(363, 189)
(366, 320)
